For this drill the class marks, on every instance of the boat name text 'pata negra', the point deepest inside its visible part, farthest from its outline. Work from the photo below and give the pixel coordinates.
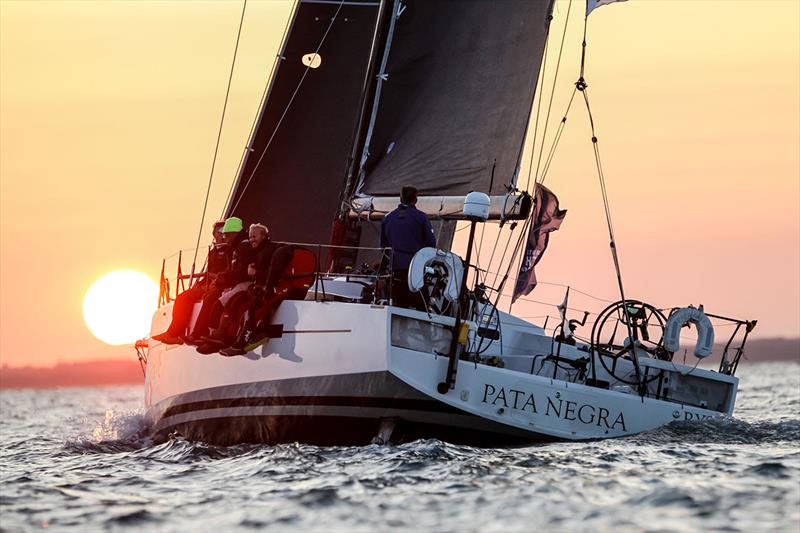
(565, 409)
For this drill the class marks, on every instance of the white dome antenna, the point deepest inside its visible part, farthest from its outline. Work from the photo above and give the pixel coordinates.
(476, 206)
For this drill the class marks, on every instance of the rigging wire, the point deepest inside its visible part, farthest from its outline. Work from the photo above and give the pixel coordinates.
(556, 139)
(288, 105)
(538, 110)
(527, 223)
(219, 136)
(552, 93)
(248, 148)
(582, 86)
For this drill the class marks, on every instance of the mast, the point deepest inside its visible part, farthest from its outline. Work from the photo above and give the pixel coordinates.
(370, 83)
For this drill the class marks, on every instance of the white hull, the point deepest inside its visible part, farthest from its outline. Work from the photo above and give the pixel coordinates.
(339, 369)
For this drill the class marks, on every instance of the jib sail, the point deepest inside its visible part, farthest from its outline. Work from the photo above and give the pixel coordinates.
(293, 174)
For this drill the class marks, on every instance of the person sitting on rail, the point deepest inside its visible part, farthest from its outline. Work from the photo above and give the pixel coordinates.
(217, 262)
(234, 274)
(291, 273)
(406, 230)
(235, 301)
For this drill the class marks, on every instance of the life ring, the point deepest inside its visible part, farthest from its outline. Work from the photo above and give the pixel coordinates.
(689, 315)
(427, 257)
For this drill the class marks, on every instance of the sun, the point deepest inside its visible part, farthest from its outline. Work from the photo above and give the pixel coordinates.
(118, 306)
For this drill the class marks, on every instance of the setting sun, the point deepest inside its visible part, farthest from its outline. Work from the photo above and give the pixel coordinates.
(118, 307)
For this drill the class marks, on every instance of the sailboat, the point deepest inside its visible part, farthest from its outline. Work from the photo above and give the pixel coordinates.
(367, 96)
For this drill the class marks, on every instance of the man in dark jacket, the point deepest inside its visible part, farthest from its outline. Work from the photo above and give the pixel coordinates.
(217, 262)
(264, 299)
(406, 230)
(235, 274)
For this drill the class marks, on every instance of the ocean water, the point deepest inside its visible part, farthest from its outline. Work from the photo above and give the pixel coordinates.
(81, 459)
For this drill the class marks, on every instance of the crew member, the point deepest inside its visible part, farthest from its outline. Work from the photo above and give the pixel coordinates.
(217, 262)
(236, 300)
(235, 274)
(265, 300)
(406, 230)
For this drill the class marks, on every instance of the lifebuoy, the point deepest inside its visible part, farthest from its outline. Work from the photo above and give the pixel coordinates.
(687, 315)
(428, 256)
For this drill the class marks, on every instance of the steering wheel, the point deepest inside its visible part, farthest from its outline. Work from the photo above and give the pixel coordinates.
(617, 333)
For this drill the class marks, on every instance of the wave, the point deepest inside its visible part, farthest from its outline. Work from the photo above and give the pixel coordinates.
(118, 431)
(724, 430)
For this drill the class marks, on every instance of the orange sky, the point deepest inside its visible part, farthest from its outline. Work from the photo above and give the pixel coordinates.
(109, 111)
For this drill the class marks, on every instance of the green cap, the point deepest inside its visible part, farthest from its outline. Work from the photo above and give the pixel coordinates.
(232, 225)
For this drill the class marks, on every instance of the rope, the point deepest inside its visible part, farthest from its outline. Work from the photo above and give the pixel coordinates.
(286, 109)
(582, 87)
(247, 148)
(552, 92)
(219, 136)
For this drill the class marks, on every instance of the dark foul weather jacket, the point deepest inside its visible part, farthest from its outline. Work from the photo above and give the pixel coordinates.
(218, 258)
(262, 258)
(241, 257)
(406, 230)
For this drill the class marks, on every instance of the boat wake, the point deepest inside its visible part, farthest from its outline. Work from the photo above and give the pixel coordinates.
(117, 431)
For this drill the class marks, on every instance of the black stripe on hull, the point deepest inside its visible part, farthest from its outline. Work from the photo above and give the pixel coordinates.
(330, 431)
(349, 401)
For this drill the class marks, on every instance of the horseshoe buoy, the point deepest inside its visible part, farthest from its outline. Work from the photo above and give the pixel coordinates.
(689, 315)
(430, 256)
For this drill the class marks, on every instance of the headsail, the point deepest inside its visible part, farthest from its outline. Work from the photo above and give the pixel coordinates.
(293, 175)
(455, 97)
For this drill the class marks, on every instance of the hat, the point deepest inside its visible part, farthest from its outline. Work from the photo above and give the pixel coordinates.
(232, 225)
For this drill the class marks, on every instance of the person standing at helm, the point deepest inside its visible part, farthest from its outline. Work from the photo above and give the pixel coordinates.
(406, 230)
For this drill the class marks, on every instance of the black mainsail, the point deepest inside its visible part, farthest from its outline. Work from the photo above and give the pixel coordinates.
(455, 97)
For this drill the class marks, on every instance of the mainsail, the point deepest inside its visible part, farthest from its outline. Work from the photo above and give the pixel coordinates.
(294, 171)
(455, 96)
